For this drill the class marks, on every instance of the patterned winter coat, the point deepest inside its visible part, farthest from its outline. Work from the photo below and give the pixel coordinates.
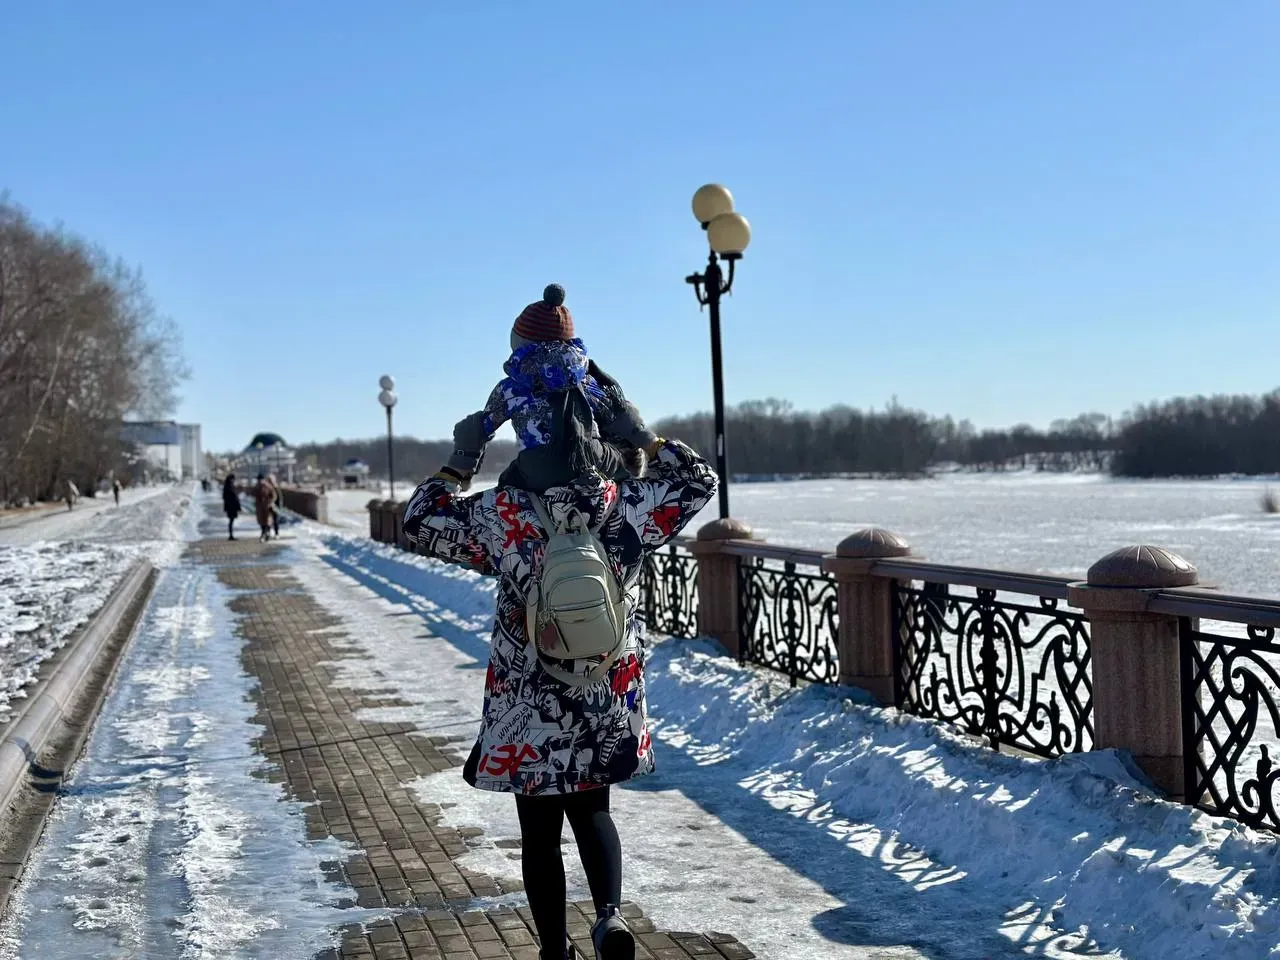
(534, 372)
(539, 735)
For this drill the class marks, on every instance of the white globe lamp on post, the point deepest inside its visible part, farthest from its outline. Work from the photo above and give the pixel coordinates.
(728, 234)
(388, 400)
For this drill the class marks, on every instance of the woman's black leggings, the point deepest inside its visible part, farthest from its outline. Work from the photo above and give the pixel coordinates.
(541, 822)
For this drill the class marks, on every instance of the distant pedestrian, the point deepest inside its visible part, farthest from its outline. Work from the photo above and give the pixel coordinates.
(231, 504)
(115, 490)
(72, 494)
(275, 507)
(558, 732)
(264, 501)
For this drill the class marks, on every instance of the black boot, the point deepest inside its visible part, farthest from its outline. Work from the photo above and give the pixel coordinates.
(611, 936)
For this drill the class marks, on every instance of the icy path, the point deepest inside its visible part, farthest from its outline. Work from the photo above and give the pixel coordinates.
(815, 827)
(168, 841)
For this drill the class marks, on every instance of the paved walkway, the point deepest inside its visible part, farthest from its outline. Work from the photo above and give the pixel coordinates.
(354, 774)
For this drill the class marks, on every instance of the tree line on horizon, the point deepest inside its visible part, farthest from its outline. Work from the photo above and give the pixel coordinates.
(414, 459)
(82, 347)
(1182, 437)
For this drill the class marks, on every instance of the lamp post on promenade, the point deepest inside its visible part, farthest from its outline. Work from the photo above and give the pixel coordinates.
(728, 235)
(388, 400)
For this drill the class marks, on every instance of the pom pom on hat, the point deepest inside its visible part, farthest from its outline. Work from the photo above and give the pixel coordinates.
(547, 319)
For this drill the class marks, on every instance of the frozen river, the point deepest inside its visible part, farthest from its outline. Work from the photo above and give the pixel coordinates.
(1036, 523)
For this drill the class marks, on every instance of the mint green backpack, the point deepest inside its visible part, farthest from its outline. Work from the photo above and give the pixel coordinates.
(577, 608)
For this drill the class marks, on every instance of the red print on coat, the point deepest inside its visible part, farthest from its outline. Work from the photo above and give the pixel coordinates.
(506, 759)
(625, 674)
(515, 531)
(666, 518)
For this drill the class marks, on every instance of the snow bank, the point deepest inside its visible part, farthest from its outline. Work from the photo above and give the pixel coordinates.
(1078, 840)
(50, 587)
(47, 591)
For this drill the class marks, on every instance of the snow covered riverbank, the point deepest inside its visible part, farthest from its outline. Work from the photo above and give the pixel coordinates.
(812, 825)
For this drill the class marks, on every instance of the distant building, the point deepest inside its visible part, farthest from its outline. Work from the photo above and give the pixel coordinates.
(268, 453)
(167, 450)
(355, 474)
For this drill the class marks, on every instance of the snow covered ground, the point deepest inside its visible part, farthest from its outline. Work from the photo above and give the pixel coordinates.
(814, 826)
(168, 841)
(57, 569)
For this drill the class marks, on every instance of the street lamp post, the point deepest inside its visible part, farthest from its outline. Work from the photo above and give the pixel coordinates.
(388, 399)
(728, 235)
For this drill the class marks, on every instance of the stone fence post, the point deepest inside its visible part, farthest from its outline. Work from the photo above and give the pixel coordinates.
(375, 518)
(865, 644)
(1137, 680)
(387, 526)
(400, 540)
(718, 605)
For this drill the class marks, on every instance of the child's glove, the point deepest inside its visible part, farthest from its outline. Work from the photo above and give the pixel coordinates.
(469, 441)
(628, 426)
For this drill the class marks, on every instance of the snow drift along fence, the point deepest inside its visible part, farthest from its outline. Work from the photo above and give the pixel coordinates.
(1040, 664)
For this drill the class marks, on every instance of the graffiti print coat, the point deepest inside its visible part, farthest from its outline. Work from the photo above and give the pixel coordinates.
(538, 735)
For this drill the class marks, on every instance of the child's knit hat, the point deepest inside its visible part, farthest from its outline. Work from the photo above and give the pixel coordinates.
(547, 319)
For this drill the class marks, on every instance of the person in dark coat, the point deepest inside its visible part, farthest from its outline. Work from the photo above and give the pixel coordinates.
(231, 504)
(115, 490)
(558, 748)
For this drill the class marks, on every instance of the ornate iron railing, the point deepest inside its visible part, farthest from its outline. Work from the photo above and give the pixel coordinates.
(669, 592)
(1017, 674)
(1230, 715)
(788, 620)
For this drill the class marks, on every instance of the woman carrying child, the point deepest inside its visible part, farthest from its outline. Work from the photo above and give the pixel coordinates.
(559, 745)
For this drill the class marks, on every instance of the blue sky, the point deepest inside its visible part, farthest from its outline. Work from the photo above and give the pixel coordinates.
(1005, 211)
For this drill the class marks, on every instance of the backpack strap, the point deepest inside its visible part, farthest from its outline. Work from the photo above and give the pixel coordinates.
(551, 527)
(544, 517)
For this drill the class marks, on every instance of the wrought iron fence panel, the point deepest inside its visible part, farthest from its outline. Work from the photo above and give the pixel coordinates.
(669, 592)
(1230, 692)
(1017, 674)
(788, 621)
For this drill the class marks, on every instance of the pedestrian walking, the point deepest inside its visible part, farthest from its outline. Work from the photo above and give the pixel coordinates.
(558, 730)
(72, 494)
(231, 504)
(115, 490)
(264, 500)
(275, 506)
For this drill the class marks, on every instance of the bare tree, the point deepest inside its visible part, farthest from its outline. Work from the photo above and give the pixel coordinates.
(81, 347)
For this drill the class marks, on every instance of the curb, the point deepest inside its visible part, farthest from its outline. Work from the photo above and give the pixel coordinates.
(55, 723)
